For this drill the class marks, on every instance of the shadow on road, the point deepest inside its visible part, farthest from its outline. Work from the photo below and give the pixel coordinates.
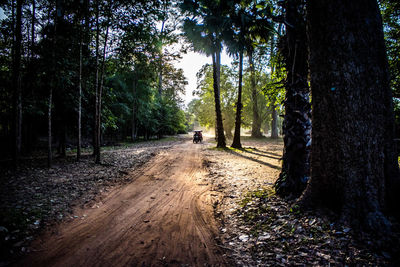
(254, 159)
(262, 153)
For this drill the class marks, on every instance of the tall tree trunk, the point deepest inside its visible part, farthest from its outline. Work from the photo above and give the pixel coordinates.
(134, 109)
(100, 90)
(238, 120)
(274, 122)
(62, 140)
(79, 133)
(30, 82)
(53, 82)
(49, 137)
(216, 58)
(160, 66)
(354, 162)
(16, 80)
(96, 143)
(296, 124)
(256, 124)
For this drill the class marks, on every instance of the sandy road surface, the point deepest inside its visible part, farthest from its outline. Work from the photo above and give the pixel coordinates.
(164, 217)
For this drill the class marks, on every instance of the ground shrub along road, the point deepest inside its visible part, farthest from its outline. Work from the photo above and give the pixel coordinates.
(163, 216)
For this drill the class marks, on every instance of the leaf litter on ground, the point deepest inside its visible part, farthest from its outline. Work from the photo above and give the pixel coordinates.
(258, 228)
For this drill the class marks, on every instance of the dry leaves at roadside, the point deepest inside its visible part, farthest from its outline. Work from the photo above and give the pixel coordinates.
(261, 229)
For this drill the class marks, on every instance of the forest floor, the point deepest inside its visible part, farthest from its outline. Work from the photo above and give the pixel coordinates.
(260, 229)
(171, 203)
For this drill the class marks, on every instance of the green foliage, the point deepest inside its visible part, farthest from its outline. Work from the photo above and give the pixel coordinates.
(134, 50)
(204, 106)
(391, 18)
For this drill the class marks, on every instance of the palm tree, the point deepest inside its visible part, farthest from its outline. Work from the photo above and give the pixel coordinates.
(205, 30)
(249, 29)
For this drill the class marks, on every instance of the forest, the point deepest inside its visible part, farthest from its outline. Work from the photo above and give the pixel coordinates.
(298, 162)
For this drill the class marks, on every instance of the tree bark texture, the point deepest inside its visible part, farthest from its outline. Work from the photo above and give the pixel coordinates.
(16, 80)
(354, 162)
(274, 122)
(52, 86)
(79, 137)
(296, 124)
(96, 135)
(238, 120)
(100, 87)
(216, 57)
(256, 124)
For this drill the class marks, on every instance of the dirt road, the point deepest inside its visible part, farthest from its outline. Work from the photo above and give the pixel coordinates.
(164, 217)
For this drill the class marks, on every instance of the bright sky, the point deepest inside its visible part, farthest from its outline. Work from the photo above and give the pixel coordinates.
(191, 63)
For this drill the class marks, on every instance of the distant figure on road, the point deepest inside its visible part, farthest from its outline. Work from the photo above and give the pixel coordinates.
(197, 137)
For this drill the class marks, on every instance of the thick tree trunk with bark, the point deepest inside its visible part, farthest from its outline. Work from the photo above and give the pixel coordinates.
(238, 120)
(216, 58)
(274, 122)
(16, 80)
(296, 124)
(256, 124)
(354, 162)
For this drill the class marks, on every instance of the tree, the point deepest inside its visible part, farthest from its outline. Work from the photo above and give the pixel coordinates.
(249, 28)
(274, 73)
(16, 80)
(256, 123)
(297, 121)
(391, 19)
(205, 86)
(238, 119)
(58, 17)
(354, 162)
(82, 10)
(100, 68)
(205, 32)
(236, 45)
(57, 68)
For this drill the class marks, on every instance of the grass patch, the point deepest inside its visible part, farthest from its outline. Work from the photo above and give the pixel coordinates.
(262, 194)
